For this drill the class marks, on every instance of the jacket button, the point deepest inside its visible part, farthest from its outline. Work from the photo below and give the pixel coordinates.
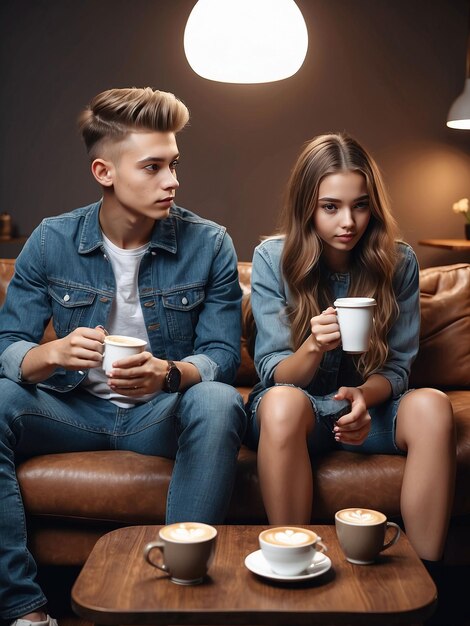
(66, 297)
(184, 301)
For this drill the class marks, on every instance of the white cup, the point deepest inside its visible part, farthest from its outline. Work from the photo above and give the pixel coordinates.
(289, 550)
(118, 347)
(355, 319)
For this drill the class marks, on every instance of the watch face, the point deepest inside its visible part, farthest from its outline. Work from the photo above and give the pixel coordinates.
(173, 379)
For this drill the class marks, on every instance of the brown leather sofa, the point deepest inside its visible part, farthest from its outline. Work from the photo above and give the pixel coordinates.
(72, 499)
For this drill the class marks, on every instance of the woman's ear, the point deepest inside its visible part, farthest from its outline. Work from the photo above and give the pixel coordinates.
(103, 172)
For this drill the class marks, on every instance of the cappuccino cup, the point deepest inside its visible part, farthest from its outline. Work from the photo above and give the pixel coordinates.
(290, 550)
(361, 534)
(118, 347)
(355, 319)
(187, 551)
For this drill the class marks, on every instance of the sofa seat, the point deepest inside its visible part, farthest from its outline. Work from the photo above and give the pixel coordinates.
(81, 495)
(71, 499)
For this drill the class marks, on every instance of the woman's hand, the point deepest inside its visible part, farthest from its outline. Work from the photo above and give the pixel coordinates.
(138, 375)
(325, 330)
(353, 427)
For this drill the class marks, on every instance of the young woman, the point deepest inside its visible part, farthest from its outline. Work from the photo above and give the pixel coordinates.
(338, 238)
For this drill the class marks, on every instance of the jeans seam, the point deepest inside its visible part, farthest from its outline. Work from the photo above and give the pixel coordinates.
(35, 413)
(177, 424)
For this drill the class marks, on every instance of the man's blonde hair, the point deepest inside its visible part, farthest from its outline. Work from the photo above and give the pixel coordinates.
(114, 113)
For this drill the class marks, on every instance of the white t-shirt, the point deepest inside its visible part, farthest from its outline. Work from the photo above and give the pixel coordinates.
(125, 318)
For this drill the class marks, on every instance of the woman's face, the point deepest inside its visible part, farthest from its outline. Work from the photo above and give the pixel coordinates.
(341, 216)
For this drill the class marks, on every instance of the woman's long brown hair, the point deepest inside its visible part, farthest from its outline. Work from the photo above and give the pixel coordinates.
(372, 261)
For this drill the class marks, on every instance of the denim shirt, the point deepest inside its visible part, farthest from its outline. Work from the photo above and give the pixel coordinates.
(270, 296)
(188, 284)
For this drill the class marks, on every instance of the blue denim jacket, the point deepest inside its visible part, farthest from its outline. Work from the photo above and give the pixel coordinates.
(270, 296)
(188, 282)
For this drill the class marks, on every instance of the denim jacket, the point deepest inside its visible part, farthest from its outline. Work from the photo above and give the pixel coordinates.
(188, 283)
(270, 296)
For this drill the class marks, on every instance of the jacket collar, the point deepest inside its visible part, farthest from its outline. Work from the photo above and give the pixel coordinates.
(163, 234)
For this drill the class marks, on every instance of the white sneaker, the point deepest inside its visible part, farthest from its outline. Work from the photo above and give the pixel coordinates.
(26, 622)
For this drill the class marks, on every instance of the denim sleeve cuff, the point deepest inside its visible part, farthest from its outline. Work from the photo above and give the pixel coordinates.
(207, 368)
(12, 358)
(397, 383)
(267, 367)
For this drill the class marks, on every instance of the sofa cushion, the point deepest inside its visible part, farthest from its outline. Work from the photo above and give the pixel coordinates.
(444, 350)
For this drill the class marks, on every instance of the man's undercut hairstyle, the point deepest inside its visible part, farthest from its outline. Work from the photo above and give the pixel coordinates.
(113, 114)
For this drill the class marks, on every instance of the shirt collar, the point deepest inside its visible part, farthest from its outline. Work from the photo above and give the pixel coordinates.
(163, 234)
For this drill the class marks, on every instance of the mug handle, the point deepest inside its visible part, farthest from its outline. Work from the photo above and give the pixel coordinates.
(148, 549)
(395, 537)
(320, 543)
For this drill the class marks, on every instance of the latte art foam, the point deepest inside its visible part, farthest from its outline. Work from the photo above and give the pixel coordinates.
(187, 532)
(361, 517)
(288, 536)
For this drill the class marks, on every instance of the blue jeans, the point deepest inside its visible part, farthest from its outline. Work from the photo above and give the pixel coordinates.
(380, 440)
(201, 429)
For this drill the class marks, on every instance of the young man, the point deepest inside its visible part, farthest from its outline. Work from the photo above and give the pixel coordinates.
(131, 264)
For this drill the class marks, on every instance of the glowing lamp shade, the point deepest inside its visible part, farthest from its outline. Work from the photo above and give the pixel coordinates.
(459, 113)
(245, 41)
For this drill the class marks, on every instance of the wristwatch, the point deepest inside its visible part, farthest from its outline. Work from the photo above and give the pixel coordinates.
(172, 378)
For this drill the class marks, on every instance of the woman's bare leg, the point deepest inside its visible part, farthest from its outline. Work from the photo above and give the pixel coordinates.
(426, 430)
(285, 417)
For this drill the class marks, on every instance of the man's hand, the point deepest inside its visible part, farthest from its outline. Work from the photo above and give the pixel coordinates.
(81, 349)
(137, 375)
(353, 427)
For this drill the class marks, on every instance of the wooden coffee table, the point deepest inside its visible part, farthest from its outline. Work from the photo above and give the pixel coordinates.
(117, 586)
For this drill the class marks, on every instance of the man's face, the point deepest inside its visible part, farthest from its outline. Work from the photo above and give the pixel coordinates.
(143, 173)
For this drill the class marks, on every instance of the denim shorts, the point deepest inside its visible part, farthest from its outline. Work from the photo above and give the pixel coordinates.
(380, 440)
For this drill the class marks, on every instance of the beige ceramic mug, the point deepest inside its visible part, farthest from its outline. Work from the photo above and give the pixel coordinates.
(361, 534)
(187, 550)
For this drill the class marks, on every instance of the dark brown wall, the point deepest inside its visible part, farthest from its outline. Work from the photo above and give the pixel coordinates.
(387, 71)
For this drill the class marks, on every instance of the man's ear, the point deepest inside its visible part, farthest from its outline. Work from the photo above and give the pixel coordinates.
(103, 172)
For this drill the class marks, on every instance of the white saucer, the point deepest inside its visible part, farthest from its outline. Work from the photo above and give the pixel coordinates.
(257, 564)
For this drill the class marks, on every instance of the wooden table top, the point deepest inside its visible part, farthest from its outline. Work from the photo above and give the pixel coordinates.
(117, 586)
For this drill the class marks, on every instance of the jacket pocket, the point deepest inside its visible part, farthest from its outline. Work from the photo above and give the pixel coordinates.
(69, 307)
(182, 309)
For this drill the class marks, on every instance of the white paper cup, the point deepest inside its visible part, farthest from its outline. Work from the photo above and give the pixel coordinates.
(355, 318)
(118, 347)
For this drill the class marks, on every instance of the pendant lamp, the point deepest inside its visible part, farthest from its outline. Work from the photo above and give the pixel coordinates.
(245, 41)
(459, 112)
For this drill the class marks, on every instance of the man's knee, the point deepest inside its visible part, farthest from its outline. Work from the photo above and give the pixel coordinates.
(214, 395)
(217, 404)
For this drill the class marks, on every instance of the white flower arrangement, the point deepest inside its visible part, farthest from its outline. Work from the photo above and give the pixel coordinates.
(461, 206)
